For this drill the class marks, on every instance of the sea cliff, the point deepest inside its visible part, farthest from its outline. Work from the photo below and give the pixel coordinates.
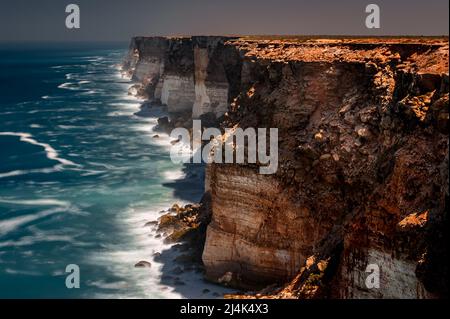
(363, 158)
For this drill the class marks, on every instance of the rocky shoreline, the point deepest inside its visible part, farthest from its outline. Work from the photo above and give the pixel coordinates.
(363, 152)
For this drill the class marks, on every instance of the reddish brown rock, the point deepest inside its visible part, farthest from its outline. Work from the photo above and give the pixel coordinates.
(363, 162)
(360, 153)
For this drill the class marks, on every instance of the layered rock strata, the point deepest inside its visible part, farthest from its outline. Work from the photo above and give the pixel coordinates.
(363, 159)
(186, 74)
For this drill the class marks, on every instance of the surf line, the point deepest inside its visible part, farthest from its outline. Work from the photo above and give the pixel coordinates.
(50, 151)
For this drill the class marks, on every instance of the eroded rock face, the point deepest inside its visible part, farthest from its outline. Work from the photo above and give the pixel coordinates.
(360, 151)
(186, 74)
(363, 163)
(249, 208)
(145, 64)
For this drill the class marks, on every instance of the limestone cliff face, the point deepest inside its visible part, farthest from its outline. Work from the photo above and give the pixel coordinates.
(363, 161)
(254, 234)
(186, 74)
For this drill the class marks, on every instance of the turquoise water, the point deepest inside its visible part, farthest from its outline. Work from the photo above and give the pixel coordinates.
(80, 175)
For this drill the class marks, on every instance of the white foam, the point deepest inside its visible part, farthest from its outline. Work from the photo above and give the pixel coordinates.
(180, 152)
(124, 108)
(147, 282)
(67, 86)
(174, 175)
(9, 225)
(36, 202)
(108, 285)
(119, 113)
(94, 59)
(31, 240)
(52, 110)
(127, 105)
(57, 273)
(21, 272)
(146, 128)
(68, 127)
(51, 152)
(30, 171)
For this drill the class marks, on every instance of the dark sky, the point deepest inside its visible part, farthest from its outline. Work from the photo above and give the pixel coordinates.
(114, 20)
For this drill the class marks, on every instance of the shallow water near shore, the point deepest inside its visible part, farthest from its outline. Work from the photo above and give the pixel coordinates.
(80, 176)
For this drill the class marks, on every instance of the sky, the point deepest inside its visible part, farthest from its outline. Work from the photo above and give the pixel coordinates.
(119, 20)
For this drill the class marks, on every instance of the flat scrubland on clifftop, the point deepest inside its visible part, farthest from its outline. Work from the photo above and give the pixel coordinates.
(363, 158)
(428, 54)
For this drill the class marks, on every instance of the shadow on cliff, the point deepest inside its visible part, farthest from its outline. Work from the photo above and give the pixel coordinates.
(191, 186)
(185, 276)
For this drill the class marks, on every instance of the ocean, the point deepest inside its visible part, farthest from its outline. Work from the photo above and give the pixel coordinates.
(80, 176)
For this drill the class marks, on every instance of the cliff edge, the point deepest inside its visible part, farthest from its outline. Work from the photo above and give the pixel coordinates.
(363, 158)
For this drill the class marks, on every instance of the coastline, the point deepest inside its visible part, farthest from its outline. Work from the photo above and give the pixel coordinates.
(180, 258)
(347, 110)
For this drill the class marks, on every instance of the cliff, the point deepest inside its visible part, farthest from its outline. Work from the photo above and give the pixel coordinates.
(191, 75)
(363, 158)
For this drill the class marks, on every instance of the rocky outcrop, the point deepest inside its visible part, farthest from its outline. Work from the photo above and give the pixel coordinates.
(186, 226)
(363, 161)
